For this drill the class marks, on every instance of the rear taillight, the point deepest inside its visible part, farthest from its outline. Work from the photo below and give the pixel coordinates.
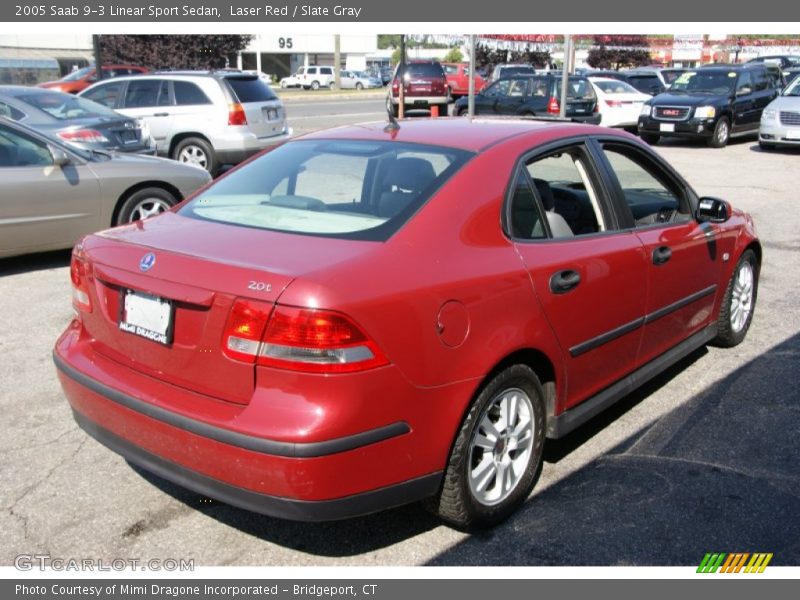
(236, 114)
(298, 339)
(552, 106)
(318, 341)
(244, 329)
(85, 136)
(614, 103)
(79, 274)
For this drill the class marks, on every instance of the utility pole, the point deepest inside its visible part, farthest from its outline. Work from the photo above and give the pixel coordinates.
(98, 64)
(562, 109)
(337, 62)
(471, 99)
(401, 70)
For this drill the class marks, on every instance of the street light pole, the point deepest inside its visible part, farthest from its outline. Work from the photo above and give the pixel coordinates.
(562, 109)
(471, 98)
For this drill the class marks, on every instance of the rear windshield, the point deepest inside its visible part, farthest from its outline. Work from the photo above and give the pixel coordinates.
(79, 74)
(511, 71)
(616, 87)
(65, 106)
(344, 189)
(250, 89)
(578, 89)
(424, 70)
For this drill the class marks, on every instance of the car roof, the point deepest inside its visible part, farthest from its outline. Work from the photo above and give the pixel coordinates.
(16, 91)
(472, 135)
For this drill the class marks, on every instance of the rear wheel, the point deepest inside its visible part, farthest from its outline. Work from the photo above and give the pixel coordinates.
(359, 85)
(196, 151)
(145, 203)
(739, 301)
(722, 133)
(497, 455)
(649, 138)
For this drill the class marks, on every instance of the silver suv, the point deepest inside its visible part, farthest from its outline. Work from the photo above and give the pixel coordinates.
(206, 118)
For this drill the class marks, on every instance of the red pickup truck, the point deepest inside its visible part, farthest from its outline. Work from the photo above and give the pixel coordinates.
(458, 79)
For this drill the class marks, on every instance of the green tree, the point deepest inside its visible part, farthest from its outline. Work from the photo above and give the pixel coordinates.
(173, 51)
(454, 56)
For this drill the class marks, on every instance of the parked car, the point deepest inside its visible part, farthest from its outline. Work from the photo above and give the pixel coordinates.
(315, 77)
(619, 103)
(206, 118)
(648, 81)
(791, 74)
(665, 75)
(79, 80)
(780, 121)
(358, 80)
(305, 339)
(457, 75)
(424, 86)
(55, 193)
(78, 121)
(537, 95)
(713, 103)
(386, 75)
(784, 61)
(506, 70)
(293, 81)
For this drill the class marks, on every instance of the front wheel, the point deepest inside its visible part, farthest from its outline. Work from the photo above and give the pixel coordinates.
(722, 133)
(739, 302)
(497, 454)
(315, 85)
(144, 203)
(359, 85)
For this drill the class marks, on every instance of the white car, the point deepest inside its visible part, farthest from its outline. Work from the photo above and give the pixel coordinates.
(293, 80)
(358, 80)
(619, 103)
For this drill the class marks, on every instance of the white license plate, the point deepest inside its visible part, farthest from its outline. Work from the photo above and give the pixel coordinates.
(668, 127)
(793, 134)
(147, 316)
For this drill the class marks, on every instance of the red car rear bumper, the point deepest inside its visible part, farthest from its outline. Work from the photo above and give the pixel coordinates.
(315, 476)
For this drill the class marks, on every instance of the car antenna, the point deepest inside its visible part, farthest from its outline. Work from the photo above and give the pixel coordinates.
(393, 124)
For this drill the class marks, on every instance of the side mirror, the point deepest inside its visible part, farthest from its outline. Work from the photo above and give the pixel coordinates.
(60, 158)
(713, 210)
(743, 91)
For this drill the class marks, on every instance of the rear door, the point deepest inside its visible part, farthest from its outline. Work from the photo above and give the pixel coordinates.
(515, 98)
(682, 262)
(264, 111)
(149, 99)
(589, 278)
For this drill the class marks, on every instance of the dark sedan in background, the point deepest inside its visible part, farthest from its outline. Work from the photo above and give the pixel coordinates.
(77, 121)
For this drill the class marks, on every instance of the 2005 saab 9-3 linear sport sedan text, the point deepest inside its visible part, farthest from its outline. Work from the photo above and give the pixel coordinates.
(370, 316)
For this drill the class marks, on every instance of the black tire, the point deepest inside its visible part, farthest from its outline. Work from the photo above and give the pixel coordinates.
(650, 138)
(283, 85)
(144, 203)
(456, 502)
(197, 151)
(359, 85)
(722, 133)
(732, 327)
(442, 109)
(315, 85)
(463, 111)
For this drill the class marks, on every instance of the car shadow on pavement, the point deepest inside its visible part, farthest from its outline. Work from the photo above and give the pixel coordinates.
(720, 473)
(786, 150)
(34, 262)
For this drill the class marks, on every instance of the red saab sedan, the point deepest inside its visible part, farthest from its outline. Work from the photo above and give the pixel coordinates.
(367, 316)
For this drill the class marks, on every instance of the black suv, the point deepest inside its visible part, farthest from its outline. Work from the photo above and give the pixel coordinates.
(714, 103)
(537, 95)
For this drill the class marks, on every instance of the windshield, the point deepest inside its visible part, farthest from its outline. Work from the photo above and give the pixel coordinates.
(705, 82)
(793, 89)
(345, 189)
(64, 106)
(79, 74)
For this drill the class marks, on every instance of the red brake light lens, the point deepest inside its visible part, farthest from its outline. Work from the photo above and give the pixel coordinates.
(87, 136)
(552, 106)
(236, 115)
(614, 103)
(317, 341)
(78, 273)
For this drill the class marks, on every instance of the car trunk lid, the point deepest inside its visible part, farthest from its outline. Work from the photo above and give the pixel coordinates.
(263, 110)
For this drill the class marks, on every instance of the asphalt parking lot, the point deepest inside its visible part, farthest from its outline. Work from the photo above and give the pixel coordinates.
(704, 458)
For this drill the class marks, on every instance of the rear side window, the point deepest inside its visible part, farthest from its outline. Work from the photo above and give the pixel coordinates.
(326, 71)
(346, 189)
(142, 93)
(250, 89)
(11, 112)
(187, 93)
(450, 69)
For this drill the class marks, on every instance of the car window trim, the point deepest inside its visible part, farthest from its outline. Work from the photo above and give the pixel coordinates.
(625, 215)
(604, 198)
